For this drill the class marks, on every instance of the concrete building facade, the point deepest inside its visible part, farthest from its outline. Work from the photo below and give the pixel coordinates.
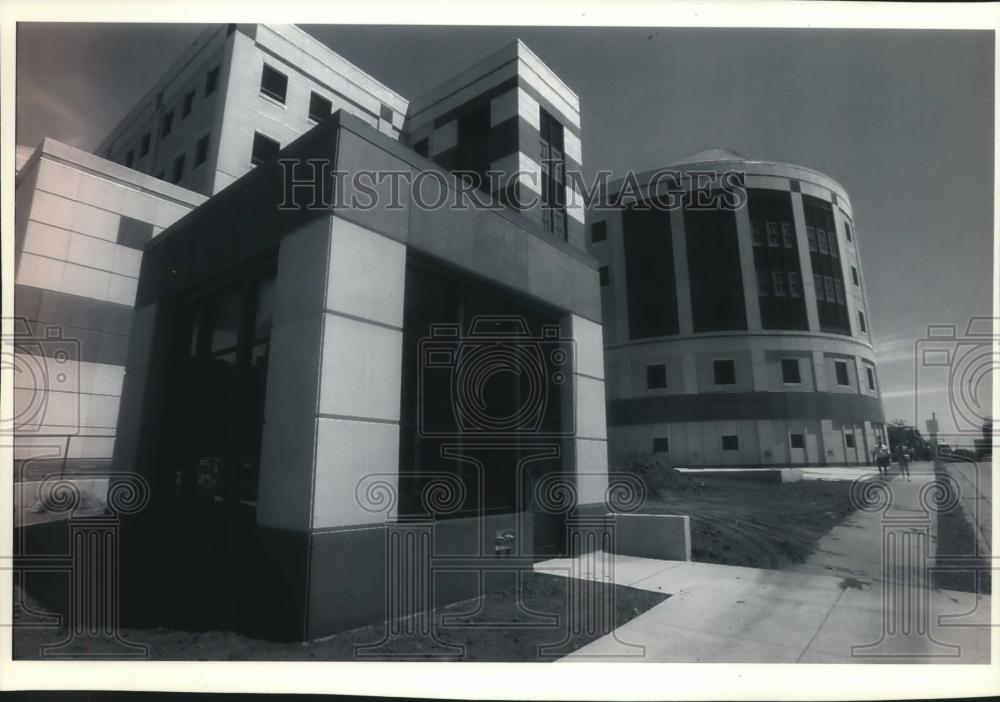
(736, 332)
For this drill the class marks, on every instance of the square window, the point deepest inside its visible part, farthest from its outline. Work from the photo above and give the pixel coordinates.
(178, 172)
(730, 442)
(772, 234)
(841, 369)
(818, 284)
(870, 372)
(264, 149)
(144, 145)
(211, 81)
(201, 151)
(168, 123)
(656, 376)
(598, 231)
(605, 276)
(188, 104)
(661, 445)
(788, 235)
(273, 84)
(790, 371)
(861, 322)
(725, 371)
(778, 281)
(129, 158)
(794, 288)
(849, 440)
(319, 107)
(798, 440)
(811, 237)
(758, 235)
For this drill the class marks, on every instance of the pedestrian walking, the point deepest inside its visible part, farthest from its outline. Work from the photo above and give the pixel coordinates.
(882, 459)
(904, 461)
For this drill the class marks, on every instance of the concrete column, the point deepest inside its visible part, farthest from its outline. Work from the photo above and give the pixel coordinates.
(748, 269)
(333, 391)
(685, 325)
(805, 262)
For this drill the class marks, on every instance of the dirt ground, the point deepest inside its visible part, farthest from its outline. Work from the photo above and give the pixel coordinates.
(750, 522)
(533, 624)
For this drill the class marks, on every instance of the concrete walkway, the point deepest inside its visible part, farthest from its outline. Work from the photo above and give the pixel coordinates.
(728, 614)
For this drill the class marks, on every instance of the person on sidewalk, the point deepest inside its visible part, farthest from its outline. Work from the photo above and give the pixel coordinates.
(904, 461)
(882, 459)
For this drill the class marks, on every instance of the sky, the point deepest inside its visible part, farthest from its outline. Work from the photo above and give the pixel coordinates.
(903, 119)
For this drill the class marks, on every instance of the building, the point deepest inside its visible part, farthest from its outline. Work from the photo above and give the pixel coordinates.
(287, 365)
(736, 329)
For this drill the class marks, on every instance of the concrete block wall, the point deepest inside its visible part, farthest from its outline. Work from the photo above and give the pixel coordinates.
(81, 223)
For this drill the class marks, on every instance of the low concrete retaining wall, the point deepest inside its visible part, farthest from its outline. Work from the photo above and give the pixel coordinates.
(771, 475)
(663, 536)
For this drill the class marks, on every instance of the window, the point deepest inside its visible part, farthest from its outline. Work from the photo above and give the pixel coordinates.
(273, 84)
(831, 290)
(648, 275)
(758, 236)
(870, 372)
(763, 289)
(849, 440)
(834, 251)
(790, 373)
(788, 235)
(598, 231)
(798, 440)
(841, 369)
(168, 123)
(605, 276)
(725, 372)
(129, 158)
(661, 445)
(319, 107)
(201, 151)
(188, 104)
(839, 287)
(553, 164)
(178, 172)
(778, 281)
(794, 289)
(861, 322)
(811, 237)
(730, 442)
(847, 231)
(144, 144)
(855, 277)
(422, 147)
(211, 81)
(264, 149)
(818, 284)
(656, 376)
(772, 234)
(821, 241)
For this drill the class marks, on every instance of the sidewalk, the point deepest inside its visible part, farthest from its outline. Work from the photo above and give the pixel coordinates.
(729, 614)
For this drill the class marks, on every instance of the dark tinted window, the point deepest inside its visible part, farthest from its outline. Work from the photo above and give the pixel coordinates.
(798, 441)
(144, 145)
(716, 280)
(201, 151)
(649, 272)
(790, 370)
(598, 231)
(605, 275)
(553, 175)
(319, 107)
(472, 153)
(849, 440)
(211, 81)
(274, 84)
(178, 172)
(724, 371)
(730, 442)
(264, 149)
(862, 325)
(842, 377)
(871, 378)
(776, 260)
(188, 104)
(656, 376)
(168, 123)
(821, 232)
(661, 445)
